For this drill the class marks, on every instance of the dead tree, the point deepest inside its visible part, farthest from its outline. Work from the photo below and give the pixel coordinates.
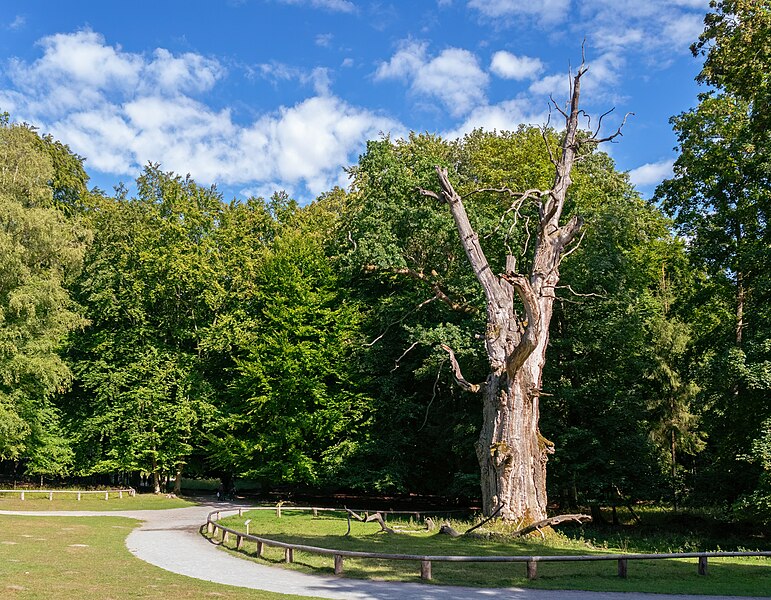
(511, 451)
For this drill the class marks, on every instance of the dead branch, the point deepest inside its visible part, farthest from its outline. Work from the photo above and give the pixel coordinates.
(459, 379)
(551, 523)
(573, 249)
(400, 320)
(439, 293)
(405, 353)
(515, 205)
(483, 521)
(611, 137)
(430, 194)
(575, 293)
(369, 519)
(433, 395)
(449, 530)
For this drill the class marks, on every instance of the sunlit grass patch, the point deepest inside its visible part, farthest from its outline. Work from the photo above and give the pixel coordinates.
(72, 558)
(69, 501)
(736, 576)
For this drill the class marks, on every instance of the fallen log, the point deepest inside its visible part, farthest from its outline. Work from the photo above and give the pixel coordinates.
(550, 523)
(377, 517)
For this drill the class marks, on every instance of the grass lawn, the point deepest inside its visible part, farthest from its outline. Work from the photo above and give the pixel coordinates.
(38, 502)
(728, 576)
(74, 558)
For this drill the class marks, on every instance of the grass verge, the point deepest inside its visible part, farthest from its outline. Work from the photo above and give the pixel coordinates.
(40, 502)
(727, 576)
(72, 558)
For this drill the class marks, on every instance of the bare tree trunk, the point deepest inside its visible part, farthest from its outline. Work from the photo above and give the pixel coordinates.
(511, 451)
(178, 479)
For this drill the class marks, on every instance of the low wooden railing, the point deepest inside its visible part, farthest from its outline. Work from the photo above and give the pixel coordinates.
(531, 562)
(50, 493)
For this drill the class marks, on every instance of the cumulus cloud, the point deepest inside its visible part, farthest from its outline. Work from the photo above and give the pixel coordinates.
(509, 66)
(504, 116)
(454, 77)
(651, 173)
(121, 110)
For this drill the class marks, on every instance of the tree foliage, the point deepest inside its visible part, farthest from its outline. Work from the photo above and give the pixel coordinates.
(41, 249)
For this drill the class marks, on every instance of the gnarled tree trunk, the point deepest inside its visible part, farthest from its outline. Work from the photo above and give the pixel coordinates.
(511, 451)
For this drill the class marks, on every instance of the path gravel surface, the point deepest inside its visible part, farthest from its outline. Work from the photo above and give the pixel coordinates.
(171, 539)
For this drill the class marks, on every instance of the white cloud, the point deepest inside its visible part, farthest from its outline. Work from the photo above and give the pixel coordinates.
(545, 11)
(332, 5)
(121, 110)
(509, 66)
(651, 173)
(557, 86)
(601, 77)
(324, 39)
(317, 78)
(505, 116)
(186, 73)
(454, 77)
(18, 22)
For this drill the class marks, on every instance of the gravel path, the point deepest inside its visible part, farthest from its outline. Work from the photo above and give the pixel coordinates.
(171, 540)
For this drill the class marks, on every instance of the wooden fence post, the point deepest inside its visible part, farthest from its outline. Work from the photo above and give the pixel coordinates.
(210, 528)
(622, 568)
(239, 542)
(78, 496)
(224, 536)
(532, 569)
(50, 496)
(288, 555)
(702, 565)
(315, 512)
(338, 564)
(22, 495)
(425, 569)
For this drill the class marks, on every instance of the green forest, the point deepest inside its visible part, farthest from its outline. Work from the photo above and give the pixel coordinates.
(171, 332)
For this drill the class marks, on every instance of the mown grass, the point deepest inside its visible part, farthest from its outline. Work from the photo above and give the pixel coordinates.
(728, 576)
(72, 558)
(69, 501)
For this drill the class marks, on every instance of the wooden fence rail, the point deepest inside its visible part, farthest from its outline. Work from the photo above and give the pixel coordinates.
(531, 562)
(106, 493)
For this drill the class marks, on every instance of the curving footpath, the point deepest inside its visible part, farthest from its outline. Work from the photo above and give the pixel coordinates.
(170, 539)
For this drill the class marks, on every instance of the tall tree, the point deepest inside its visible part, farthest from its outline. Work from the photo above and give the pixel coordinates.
(398, 238)
(720, 199)
(148, 286)
(511, 451)
(40, 250)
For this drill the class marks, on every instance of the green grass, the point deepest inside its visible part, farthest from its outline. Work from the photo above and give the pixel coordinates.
(72, 558)
(38, 502)
(734, 576)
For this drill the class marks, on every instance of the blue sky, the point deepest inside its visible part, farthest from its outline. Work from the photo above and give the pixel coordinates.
(259, 95)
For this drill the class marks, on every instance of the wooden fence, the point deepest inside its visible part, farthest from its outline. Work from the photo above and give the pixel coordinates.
(50, 493)
(531, 562)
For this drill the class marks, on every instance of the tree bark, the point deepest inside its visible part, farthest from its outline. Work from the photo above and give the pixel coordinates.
(511, 451)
